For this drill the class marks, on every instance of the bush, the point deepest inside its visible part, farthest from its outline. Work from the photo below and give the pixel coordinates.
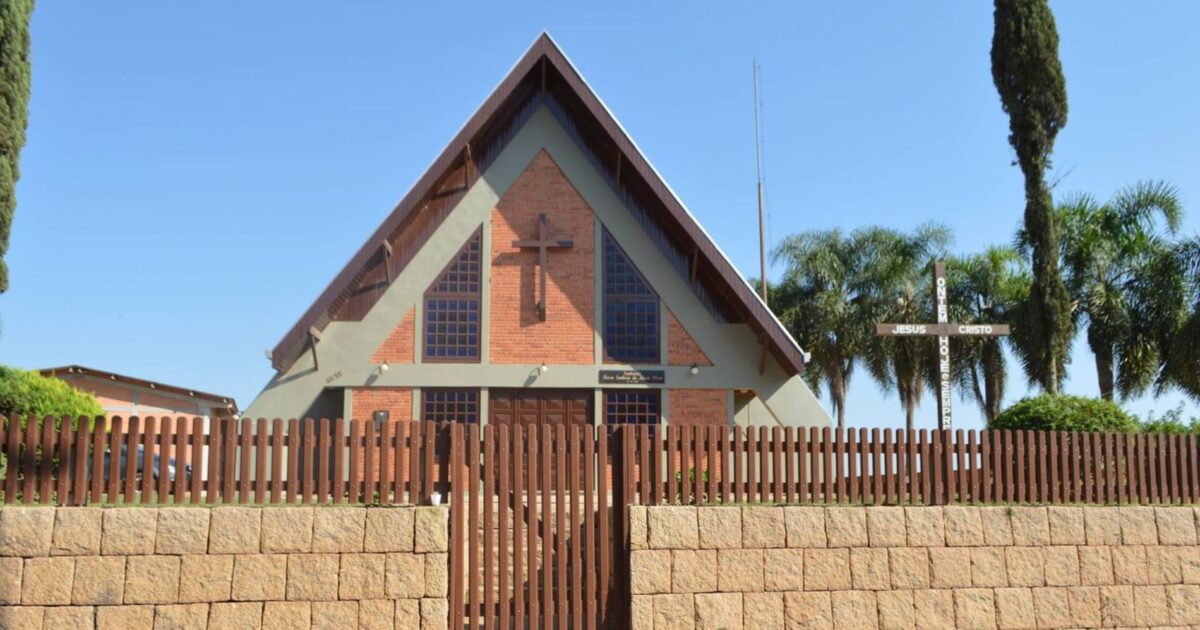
(1065, 413)
(26, 393)
(1172, 422)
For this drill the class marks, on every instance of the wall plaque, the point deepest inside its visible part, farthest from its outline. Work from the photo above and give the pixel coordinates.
(632, 377)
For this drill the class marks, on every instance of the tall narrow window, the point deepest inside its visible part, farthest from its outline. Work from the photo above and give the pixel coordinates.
(630, 310)
(452, 308)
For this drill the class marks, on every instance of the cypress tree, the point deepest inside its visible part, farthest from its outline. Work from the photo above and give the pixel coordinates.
(14, 111)
(1029, 78)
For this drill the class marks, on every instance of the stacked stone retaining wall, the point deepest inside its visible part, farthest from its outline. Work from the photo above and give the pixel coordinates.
(922, 567)
(226, 567)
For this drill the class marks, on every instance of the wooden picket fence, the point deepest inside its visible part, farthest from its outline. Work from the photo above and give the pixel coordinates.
(707, 465)
(538, 514)
(234, 461)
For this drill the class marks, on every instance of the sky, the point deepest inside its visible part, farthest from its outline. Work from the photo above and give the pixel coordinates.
(195, 174)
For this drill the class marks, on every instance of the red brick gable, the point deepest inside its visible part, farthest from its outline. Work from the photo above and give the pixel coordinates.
(399, 345)
(517, 333)
(681, 348)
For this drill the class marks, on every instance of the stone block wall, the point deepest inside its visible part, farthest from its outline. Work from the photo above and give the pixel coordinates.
(914, 567)
(226, 567)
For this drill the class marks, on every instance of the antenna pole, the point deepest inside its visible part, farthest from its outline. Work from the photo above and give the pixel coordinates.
(762, 242)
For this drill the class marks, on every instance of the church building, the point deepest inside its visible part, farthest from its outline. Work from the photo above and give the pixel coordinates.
(541, 271)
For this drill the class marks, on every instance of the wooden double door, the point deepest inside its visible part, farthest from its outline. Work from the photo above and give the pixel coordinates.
(532, 407)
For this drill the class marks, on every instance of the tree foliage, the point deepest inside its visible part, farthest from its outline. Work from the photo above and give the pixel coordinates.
(1123, 280)
(1172, 422)
(836, 287)
(1029, 78)
(14, 111)
(1178, 282)
(818, 300)
(984, 288)
(904, 294)
(25, 393)
(1059, 412)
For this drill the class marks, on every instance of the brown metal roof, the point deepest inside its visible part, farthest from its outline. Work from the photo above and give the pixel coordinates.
(225, 402)
(543, 67)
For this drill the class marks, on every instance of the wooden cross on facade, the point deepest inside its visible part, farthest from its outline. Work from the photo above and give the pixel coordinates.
(943, 330)
(543, 244)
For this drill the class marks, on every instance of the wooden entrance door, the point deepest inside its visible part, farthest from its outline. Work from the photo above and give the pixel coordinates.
(526, 407)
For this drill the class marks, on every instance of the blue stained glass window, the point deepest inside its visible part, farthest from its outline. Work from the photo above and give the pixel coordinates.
(631, 407)
(631, 320)
(452, 308)
(450, 405)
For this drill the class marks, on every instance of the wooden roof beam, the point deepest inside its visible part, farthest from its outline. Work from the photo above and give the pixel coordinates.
(314, 336)
(387, 259)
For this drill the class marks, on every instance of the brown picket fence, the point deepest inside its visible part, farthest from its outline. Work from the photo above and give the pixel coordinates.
(780, 465)
(538, 514)
(244, 461)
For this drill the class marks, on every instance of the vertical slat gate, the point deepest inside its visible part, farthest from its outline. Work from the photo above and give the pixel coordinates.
(502, 471)
(520, 517)
(473, 491)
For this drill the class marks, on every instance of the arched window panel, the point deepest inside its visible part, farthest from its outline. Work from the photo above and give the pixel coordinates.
(452, 307)
(631, 310)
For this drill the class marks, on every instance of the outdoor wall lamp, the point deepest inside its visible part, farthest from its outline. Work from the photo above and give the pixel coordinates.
(545, 368)
(695, 369)
(383, 367)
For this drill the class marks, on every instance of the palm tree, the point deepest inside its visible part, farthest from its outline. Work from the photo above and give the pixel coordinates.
(1176, 278)
(984, 289)
(821, 300)
(831, 297)
(902, 294)
(1108, 255)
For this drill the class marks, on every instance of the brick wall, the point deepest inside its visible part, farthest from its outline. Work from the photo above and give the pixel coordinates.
(397, 401)
(681, 348)
(364, 401)
(699, 406)
(923, 567)
(400, 343)
(135, 568)
(517, 334)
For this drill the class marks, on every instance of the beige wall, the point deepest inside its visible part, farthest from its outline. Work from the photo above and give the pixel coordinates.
(282, 567)
(906, 567)
(119, 398)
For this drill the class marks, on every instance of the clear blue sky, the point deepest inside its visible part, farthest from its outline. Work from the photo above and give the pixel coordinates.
(196, 173)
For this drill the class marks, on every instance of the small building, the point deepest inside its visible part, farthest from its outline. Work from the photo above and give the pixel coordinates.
(127, 396)
(541, 271)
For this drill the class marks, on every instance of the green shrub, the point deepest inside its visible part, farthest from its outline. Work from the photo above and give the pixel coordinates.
(1065, 413)
(25, 393)
(1172, 422)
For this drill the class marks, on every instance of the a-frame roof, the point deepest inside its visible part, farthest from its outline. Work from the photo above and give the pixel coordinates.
(543, 72)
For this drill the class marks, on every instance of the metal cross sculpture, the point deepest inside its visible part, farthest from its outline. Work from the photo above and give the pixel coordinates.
(543, 245)
(943, 330)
